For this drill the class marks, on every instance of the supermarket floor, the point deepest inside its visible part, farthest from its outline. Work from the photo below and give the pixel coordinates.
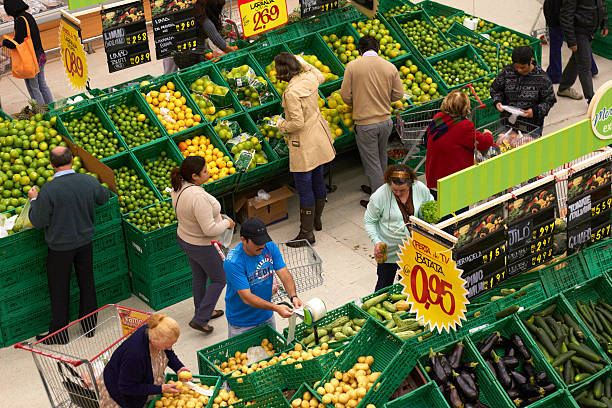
(348, 267)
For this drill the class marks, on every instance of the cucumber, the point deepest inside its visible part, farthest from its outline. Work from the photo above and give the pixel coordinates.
(324, 339)
(359, 322)
(584, 365)
(396, 297)
(591, 403)
(374, 301)
(506, 292)
(311, 337)
(598, 389)
(562, 358)
(341, 321)
(584, 351)
(546, 311)
(389, 306)
(386, 315)
(507, 312)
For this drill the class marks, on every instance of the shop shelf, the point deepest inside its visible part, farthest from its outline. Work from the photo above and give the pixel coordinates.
(563, 307)
(466, 51)
(247, 59)
(564, 274)
(77, 113)
(427, 396)
(161, 297)
(188, 77)
(178, 86)
(490, 391)
(22, 272)
(209, 380)
(385, 6)
(598, 258)
(397, 21)
(534, 43)
(226, 184)
(270, 111)
(61, 105)
(130, 99)
(346, 140)
(433, 8)
(249, 385)
(151, 152)
(171, 260)
(127, 159)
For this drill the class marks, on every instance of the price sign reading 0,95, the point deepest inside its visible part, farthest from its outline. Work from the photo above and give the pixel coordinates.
(259, 16)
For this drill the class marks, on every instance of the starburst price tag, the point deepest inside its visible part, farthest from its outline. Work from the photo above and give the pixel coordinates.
(259, 16)
(73, 54)
(436, 291)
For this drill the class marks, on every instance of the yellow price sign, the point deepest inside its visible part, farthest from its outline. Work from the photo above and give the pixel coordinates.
(436, 291)
(73, 54)
(259, 16)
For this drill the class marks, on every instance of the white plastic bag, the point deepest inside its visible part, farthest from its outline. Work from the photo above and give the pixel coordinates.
(225, 238)
(261, 196)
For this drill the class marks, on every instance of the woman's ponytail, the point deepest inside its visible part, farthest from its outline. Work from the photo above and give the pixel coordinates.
(176, 179)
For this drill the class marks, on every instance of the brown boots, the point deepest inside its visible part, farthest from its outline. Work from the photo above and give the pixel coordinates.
(307, 217)
(319, 206)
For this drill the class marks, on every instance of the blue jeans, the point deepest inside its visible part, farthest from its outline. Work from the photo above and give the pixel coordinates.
(555, 67)
(235, 330)
(310, 185)
(38, 89)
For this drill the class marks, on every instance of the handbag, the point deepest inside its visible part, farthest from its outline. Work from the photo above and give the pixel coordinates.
(79, 392)
(23, 58)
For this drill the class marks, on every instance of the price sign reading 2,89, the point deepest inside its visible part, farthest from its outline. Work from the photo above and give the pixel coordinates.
(436, 291)
(259, 16)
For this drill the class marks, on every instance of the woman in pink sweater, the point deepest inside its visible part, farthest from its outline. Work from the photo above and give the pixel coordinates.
(199, 222)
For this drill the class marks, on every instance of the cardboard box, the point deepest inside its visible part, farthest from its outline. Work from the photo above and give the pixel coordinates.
(93, 165)
(269, 211)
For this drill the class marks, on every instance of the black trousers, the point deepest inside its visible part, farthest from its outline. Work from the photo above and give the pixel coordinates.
(59, 271)
(386, 275)
(579, 66)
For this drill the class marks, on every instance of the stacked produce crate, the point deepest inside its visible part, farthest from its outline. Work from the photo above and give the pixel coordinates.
(24, 275)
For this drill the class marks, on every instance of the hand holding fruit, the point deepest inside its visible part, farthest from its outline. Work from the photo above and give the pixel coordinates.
(284, 311)
(378, 251)
(528, 113)
(170, 389)
(498, 106)
(184, 374)
(33, 193)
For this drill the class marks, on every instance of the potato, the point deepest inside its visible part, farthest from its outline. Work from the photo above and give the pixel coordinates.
(296, 403)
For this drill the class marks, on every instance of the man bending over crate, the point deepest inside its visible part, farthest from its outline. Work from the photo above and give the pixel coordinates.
(64, 208)
(249, 269)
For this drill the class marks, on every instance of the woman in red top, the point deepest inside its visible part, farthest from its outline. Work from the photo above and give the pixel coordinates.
(451, 139)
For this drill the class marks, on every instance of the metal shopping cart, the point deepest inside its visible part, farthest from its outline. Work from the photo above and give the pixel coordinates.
(72, 372)
(304, 264)
(507, 136)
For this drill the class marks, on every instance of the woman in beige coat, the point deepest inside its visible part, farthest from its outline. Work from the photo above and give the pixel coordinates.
(309, 138)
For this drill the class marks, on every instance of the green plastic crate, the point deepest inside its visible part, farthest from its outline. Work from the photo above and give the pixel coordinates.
(96, 109)
(349, 309)
(252, 384)
(178, 86)
(589, 382)
(466, 51)
(491, 393)
(338, 16)
(486, 45)
(269, 111)
(564, 274)
(398, 36)
(5, 116)
(560, 399)
(226, 184)
(27, 324)
(534, 43)
(309, 371)
(114, 291)
(61, 105)
(592, 289)
(150, 246)
(108, 238)
(167, 295)
(314, 45)
(247, 59)
(434, 8)
(129, 160)
(340, 30)
(397, 21)
(108, 212)
(19, 274)
(507, 327)
(171, 260)
(211, 381)
(133, 83)
(427, 396)
(385, 6)
(132, 98)
(598, 258)
(302, 389)
(152, 152)
(485, 116)
(563, 306)
(271, 399)
(188, 77)
(286, 33)
(17, 246)
(265, 55)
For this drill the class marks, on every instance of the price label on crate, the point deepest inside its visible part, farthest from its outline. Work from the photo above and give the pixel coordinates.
(259, 16)
(436, 291)
(73, 55)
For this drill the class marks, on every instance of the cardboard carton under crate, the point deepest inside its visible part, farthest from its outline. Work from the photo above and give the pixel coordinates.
(269, 211)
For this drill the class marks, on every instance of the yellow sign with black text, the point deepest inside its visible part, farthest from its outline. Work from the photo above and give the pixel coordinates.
(73, 54)
(259, 16)
(436, 291)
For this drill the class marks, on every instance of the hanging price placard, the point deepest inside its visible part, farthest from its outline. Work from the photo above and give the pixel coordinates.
(73, 54)
(259, 16)
(436, 291)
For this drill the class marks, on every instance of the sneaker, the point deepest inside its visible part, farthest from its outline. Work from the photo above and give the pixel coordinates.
(366, 189)
(570, 93)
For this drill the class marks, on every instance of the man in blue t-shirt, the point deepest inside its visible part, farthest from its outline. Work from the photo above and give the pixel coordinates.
(249, 269)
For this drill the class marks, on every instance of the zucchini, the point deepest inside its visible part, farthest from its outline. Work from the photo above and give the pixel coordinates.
(374, 301)
(389, 306)
(390, 324)
(592, 403)
(507, 312)
(311, 337)
(562, 358)
(359, 322)
(372, 312)
(397, 297)
(406, 334)
(341, 321)
(598, 389)
(383, 313)
(546, 311)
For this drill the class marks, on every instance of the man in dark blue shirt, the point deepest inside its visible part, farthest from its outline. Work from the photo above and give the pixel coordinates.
(249, 269)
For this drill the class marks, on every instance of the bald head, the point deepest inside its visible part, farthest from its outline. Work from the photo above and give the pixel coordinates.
(60, 156)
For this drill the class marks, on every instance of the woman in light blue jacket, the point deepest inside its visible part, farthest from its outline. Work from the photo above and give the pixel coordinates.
(387, 214)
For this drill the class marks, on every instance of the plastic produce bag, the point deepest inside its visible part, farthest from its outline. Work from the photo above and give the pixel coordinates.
(23, 219)
(217, 94)
(225, 238)
(279, 147)
(231, 126)
(245, 159)
(239, 77)
(479, 157)
(243, 138)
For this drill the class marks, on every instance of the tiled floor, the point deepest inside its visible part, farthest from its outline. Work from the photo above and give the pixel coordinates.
(348, 266)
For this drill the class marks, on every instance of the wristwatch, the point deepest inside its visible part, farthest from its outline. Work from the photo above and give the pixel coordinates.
(291, 298)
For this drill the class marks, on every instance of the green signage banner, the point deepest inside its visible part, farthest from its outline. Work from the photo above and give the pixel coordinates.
(77, 4)
(515, 166)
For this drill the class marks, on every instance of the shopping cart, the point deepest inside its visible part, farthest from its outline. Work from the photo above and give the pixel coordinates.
(72, 372)
(507, 136)
(303, 263)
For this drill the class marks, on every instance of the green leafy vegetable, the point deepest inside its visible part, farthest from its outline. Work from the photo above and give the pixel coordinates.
(429, 211)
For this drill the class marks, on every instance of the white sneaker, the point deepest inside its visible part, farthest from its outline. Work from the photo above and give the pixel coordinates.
(570, 93)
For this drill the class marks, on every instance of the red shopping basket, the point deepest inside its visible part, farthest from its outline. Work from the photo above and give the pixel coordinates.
(71, 360)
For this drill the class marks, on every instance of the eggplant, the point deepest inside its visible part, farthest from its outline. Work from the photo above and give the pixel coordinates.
(549, 388)
(469, 392)
(513, 393)
(529, 372)
(510, 352)
(541, 376)
(502, 372)
(510, 362)
(518, 378)
(469, 380)
(491, 368)
(485, 348)
(445, 365)
(518, 342)
(531, 390)
(455, 358)
(454, 398)
(436, 368)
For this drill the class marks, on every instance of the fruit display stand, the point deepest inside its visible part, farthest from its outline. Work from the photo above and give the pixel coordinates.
(151, 155)
(133, 83)
(467, 52)
(269, 111)
(598, 258)
(393, 33)
(211, 381)
(346, 140)
(333, 35)
(4, 115)
(461, 34)
(532, 42)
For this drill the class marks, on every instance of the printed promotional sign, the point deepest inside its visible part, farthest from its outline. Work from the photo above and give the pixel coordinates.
(600, 112)
(124, 31)
(309, 8)
(436, 291)
(73, 54)
(174, 27)
(259, 16)
(131, 319)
